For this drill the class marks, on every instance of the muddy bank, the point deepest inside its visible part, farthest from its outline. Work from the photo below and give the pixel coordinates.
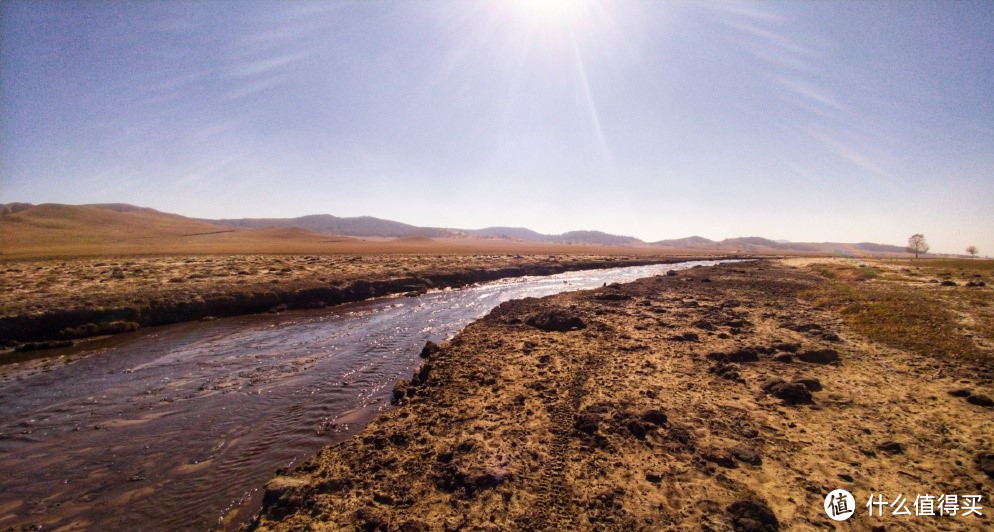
(710, 399)
(57, 324)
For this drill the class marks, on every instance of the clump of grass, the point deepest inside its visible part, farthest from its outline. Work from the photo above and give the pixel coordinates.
(894, 315)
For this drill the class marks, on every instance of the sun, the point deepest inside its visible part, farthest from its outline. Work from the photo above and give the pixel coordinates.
(550, 10)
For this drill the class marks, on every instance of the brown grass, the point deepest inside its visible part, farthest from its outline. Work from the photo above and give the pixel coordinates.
(902, 304)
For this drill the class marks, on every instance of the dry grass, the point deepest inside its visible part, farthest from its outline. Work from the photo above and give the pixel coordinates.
(903, 304)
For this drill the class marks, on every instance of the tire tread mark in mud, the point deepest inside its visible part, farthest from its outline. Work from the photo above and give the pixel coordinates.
(556, 510)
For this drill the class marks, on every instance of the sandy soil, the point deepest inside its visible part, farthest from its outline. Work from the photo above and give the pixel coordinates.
(712, 399)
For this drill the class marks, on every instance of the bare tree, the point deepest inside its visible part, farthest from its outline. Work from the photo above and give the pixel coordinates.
(972, 250)
(917, 244)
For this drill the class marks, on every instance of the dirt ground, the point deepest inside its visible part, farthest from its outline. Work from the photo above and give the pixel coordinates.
(716, 398)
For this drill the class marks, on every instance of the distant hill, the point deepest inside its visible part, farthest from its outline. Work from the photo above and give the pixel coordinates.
(688, 242)
(325, 223)
(55, 230)
(23, 225)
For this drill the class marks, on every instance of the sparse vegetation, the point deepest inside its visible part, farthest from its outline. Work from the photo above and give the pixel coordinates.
(909, 313)
(972, 250)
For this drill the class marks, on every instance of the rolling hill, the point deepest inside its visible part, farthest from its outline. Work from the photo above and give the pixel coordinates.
(118, 227)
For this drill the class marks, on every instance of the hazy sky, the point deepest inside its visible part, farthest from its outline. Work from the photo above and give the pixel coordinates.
(842, 121)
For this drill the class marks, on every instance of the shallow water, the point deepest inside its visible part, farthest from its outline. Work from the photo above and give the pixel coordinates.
(179, 427)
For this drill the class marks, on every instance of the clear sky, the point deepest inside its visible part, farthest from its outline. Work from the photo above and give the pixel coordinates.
(806, 121)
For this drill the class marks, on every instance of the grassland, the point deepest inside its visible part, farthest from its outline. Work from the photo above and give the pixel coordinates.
(935, 307)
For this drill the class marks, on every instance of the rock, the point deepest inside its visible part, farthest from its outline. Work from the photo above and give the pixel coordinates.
(891, 447)
(752, 516)
(637, 429)
(587, 423)
(726, 372)
(783, 358)
(704, 324)
(656, 417)
(686, 337)
(980, 400)
(960, 392)
(429, 349)
(47, 344)
(810, 383)
(819, 356)
(720, 457)
(555, 321)
(786, 347)
(654, 478)
(976, 283)
(414, 526)
(747, 455)
(948, 283)
(831, 337)
(670, 273)
(790, 393)
(985, 461)
(399, 391)
(740, 356)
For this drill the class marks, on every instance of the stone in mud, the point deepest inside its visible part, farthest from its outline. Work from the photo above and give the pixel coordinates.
(399, 390)
(555, 321)
(819, 356)
(740, 356)
(704, 325)
(752, 516)
(656, 417)
(810, 383)
(891, 447)
(985, 461)
(791, 393)
(637, 429)
(747, 455)
(720, 457)
(786, 347)
(414, 526)
(980, 400)
(429, 349)
(587, 423)
(726, 372)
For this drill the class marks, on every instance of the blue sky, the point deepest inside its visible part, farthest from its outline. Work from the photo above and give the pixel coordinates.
(813, 121)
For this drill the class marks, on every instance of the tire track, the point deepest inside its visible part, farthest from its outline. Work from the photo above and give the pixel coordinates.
(555, 510)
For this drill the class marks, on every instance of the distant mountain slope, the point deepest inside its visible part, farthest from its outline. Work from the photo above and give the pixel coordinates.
(688, 242)
(54, 230)
(325, 223)
(37, 226)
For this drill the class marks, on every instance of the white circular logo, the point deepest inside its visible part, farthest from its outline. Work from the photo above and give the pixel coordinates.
(840, 505)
